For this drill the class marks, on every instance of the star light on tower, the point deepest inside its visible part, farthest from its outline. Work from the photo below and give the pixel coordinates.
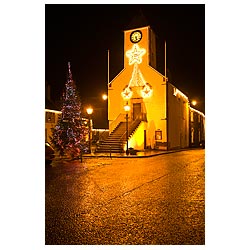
(135, 54)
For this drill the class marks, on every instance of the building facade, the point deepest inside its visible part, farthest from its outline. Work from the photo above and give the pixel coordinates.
(52, 114)
(197, 128)
(158, 114)
(51, 118)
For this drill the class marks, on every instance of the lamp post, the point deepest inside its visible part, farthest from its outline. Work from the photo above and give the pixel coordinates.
(89, 111)
(127, 108)
(105, 98)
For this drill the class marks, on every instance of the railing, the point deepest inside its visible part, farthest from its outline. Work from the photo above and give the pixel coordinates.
(132, 128)
(116, 122)
(141, 117)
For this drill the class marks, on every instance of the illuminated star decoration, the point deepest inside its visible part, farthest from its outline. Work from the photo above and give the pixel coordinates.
(135, 54)
(147, 90)
(127, 92)
(135, 57)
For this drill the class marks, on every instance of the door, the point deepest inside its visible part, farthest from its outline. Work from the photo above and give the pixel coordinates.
(136, 111)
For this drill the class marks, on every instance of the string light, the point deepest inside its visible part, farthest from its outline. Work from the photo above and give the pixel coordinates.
(135, 57)
(147, 90)
(127, 93)
(135, 54)
(177, 92)
(195, 110)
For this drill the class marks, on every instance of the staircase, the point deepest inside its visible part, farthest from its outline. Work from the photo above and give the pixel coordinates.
(117, 139)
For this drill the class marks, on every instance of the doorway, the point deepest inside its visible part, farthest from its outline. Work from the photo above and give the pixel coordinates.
(136, 111)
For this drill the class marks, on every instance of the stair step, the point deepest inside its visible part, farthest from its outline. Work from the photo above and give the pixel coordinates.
(115, 142)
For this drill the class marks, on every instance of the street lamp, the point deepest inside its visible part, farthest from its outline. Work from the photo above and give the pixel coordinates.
(127, 108)
(89, 111)
(194, 102)
(104, 97)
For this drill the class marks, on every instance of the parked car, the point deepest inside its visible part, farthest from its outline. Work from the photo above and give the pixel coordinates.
(49, 153)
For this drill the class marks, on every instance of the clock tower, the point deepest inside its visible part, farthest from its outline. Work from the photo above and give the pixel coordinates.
(140, 42)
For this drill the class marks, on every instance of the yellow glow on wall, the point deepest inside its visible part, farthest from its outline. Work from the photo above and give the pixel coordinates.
(137, 140)
(135, 54)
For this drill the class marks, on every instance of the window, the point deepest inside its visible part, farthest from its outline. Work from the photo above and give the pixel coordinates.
(192, 135)
(192, 116)
(50, 117)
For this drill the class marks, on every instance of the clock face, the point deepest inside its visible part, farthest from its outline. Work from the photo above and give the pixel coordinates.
(136, 36)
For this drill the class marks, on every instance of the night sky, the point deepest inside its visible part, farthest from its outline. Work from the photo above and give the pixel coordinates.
(82, 34)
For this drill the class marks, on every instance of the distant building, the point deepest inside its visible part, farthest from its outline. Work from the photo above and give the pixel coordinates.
(197, 128)
(52, 114)
(159, 114)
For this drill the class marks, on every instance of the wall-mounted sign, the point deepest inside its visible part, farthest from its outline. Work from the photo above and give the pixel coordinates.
(158, 135)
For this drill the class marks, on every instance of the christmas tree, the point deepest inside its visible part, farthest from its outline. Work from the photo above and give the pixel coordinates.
(68, 134)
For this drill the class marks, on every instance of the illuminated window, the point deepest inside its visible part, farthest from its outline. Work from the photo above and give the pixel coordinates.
(192, 116)
(192, 135)
(158, 135)
(50, 117)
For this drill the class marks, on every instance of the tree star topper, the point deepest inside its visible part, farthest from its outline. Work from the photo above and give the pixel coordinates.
(135, 54)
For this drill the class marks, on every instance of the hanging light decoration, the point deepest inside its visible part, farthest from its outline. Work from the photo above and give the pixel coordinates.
(146, 91)
(127, 92)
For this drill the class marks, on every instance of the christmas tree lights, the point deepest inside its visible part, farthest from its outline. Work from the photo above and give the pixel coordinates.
(69, 132)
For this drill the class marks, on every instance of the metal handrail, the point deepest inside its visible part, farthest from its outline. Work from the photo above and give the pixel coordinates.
(117, 121)
(133, 126)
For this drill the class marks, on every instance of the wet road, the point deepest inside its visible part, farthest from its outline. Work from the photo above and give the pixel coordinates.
(156, 200)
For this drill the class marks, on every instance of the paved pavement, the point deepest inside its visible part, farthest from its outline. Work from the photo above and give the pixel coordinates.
(141, 201)
(139, 154)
